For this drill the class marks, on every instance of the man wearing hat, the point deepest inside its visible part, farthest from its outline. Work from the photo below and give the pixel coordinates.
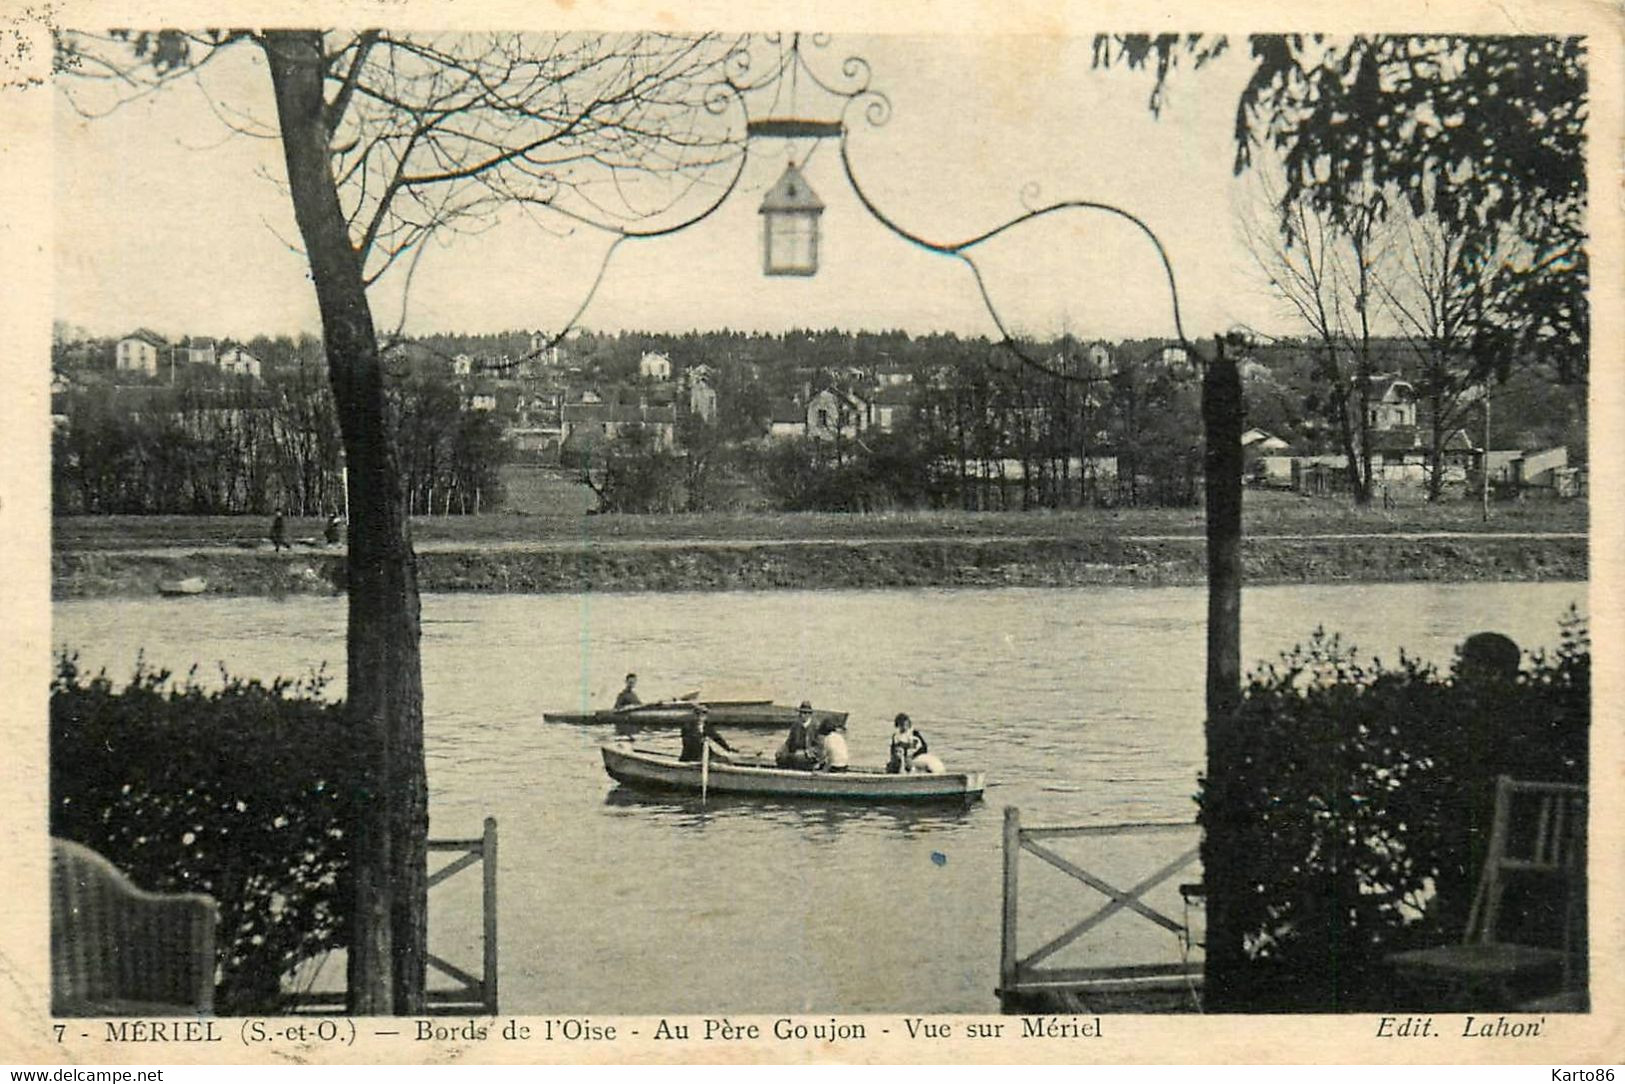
(697, 730)
(798, 748)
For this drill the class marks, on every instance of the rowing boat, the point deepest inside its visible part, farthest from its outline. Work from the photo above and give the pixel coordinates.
(669, 713)
(642, 767)
(191, 585)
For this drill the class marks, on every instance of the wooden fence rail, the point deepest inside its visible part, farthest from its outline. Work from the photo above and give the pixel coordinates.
(1022, 979)
(473, 994)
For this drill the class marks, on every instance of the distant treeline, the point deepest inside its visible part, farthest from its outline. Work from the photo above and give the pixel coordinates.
(1065, 423)
(225, 447)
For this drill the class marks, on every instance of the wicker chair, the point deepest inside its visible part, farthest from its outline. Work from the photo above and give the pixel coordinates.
(1537, 841)
(119, 951)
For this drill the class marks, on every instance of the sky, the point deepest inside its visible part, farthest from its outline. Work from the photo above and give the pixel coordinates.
(165, 219)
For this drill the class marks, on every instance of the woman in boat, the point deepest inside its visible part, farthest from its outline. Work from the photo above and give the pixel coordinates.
(906, 744)
(697, 731)
(628, 698)
(797, 749)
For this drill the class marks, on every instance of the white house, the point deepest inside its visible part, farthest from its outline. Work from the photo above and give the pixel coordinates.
(239, 362)
(654, 366)
(138, 353)
(1392, 404)
(462, 364)
(190, 351)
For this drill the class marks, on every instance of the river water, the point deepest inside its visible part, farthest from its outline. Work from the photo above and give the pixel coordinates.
(1082, 706)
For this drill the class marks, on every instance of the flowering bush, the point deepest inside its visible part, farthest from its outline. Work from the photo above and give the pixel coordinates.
(240, 792)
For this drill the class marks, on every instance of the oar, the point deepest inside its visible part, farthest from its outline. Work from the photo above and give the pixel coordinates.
(705, 762)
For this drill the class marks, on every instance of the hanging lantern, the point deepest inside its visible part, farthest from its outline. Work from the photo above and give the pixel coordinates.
(790, 226)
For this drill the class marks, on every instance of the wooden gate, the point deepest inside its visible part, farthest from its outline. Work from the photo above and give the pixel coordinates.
(472, 994)
(1022, 979)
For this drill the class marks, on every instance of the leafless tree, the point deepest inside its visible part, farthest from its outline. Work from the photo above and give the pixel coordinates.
(388, 139)
(1442, 299)
(1327, 265)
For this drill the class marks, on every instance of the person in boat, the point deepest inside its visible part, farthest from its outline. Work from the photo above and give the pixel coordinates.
(831, 753)
(628, 698)
(697, 731)
(798, 749)
(906, 744)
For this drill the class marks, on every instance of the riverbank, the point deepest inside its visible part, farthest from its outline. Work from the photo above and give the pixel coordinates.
(766, 564)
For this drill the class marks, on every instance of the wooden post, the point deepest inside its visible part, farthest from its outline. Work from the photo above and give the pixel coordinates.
(1012, 859)
(488, 866)
(1486, 464)
(1222, 409)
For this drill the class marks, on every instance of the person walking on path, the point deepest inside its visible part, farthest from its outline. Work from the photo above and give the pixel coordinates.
(279, 531)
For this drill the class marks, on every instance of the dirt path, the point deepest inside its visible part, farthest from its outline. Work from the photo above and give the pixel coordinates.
(632, 544)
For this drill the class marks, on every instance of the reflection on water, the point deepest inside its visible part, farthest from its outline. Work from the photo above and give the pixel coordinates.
(1082, 706)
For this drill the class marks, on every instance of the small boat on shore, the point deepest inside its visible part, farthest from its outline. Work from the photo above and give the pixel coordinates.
(191, 585)
(763, 714)
(645, 768)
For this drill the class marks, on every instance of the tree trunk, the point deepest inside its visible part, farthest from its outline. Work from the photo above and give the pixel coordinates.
(388, 869)
(1221, 422)
(1436, 450)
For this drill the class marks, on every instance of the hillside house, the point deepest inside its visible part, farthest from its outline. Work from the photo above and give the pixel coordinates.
(1264, 459)
(236, 361)
(194, 351)
(541, 355)
(1544, 472)
(138, 353)
(1262, 443)
(892, 404)
(702, 398)
(654, 365)
(833, 413)
(787, 420)
(1098, 360)
(589, 423)
(1392, 405)
(1408, 445)
(1177, 362)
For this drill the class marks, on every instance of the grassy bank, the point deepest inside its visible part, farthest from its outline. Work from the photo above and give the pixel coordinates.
(701, 566)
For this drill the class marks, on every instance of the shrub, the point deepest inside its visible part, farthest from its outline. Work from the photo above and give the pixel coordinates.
(241, 793)
(1362, 803)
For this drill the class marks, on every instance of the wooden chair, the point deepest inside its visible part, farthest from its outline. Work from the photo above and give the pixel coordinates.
(119, 951)
(1537, 842)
